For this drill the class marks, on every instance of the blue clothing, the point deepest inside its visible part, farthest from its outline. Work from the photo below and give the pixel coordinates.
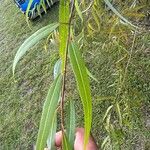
(24, 5)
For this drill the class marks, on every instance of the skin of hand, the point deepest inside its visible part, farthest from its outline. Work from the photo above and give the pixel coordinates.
(79, 140)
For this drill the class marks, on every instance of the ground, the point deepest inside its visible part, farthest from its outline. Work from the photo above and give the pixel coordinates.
(22, 97)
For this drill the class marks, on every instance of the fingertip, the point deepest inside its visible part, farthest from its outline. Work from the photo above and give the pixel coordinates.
(79, 141)
(58, 139)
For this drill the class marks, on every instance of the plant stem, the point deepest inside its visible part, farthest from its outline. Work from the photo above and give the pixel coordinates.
(64, 73)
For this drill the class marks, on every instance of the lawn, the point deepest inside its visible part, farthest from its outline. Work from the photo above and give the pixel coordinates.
(22, 97)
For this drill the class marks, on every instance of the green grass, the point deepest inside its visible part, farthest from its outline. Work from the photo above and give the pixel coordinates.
(20, 106)
(21, 99)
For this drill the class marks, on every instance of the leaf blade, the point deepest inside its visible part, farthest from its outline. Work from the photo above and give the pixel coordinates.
(91, 75)
(32, 40)
(51, 138)
(65, 142)
(118, 14)
(63, 29)
(83, 85)
(107, 112)
(57, 68)
(28, 8)
(49, 109)
(78, 10)
(71, 124)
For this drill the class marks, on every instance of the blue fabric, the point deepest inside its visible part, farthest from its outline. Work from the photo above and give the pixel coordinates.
(25, 5)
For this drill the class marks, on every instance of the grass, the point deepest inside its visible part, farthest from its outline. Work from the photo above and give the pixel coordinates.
(21, 99)
(17, 97)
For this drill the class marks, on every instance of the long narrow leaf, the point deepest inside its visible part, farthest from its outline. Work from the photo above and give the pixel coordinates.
(78, 10)
(48, 3)
(119, 113)
(65, 143)
(63, 29)
(71, 124)
(51, 137)
(28, 8)
(118, 14)
(57, 68)
(49, 109)
(107, 112)
(38, 8)
(91, 75)
(104, 142)
(83, 85)
(32, 40)
(44, 6)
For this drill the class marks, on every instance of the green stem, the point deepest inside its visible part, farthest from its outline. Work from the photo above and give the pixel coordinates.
(64, 73)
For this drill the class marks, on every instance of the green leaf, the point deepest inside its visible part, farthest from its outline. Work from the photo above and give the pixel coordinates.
(63, 29)
(105, 142)
(48, 3)
(71, 124)
(28, 8)
(83, 85)
(49, 109)
(91, 76)
(65, 143)
(51, 137)
(118, 14)
(32, 40)
(78, 10)
(107, 112)
(119, 113)
(52, 2)
(96, 18)
(43, 5)
(57, 68)
(38, 8)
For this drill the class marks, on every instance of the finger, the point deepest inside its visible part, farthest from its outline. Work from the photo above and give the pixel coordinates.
(58, 139)
(79, 141)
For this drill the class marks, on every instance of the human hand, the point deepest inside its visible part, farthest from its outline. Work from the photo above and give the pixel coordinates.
(79, 140)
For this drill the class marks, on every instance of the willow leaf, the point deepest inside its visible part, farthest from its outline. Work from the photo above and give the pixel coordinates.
(65, 143)
(118, 14)
(28, 8)
(51, 137)
(71, 124)
(96, 18)
(91, 75)
(119, 113)
(38, 8)
(48, 3)
(57, 68)
(52, 2)
(83, 85)
(78, 10)
(107, 112)
(49, 109)
(104, 142)
(44, 6)
(63, 29)
(32, 40)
